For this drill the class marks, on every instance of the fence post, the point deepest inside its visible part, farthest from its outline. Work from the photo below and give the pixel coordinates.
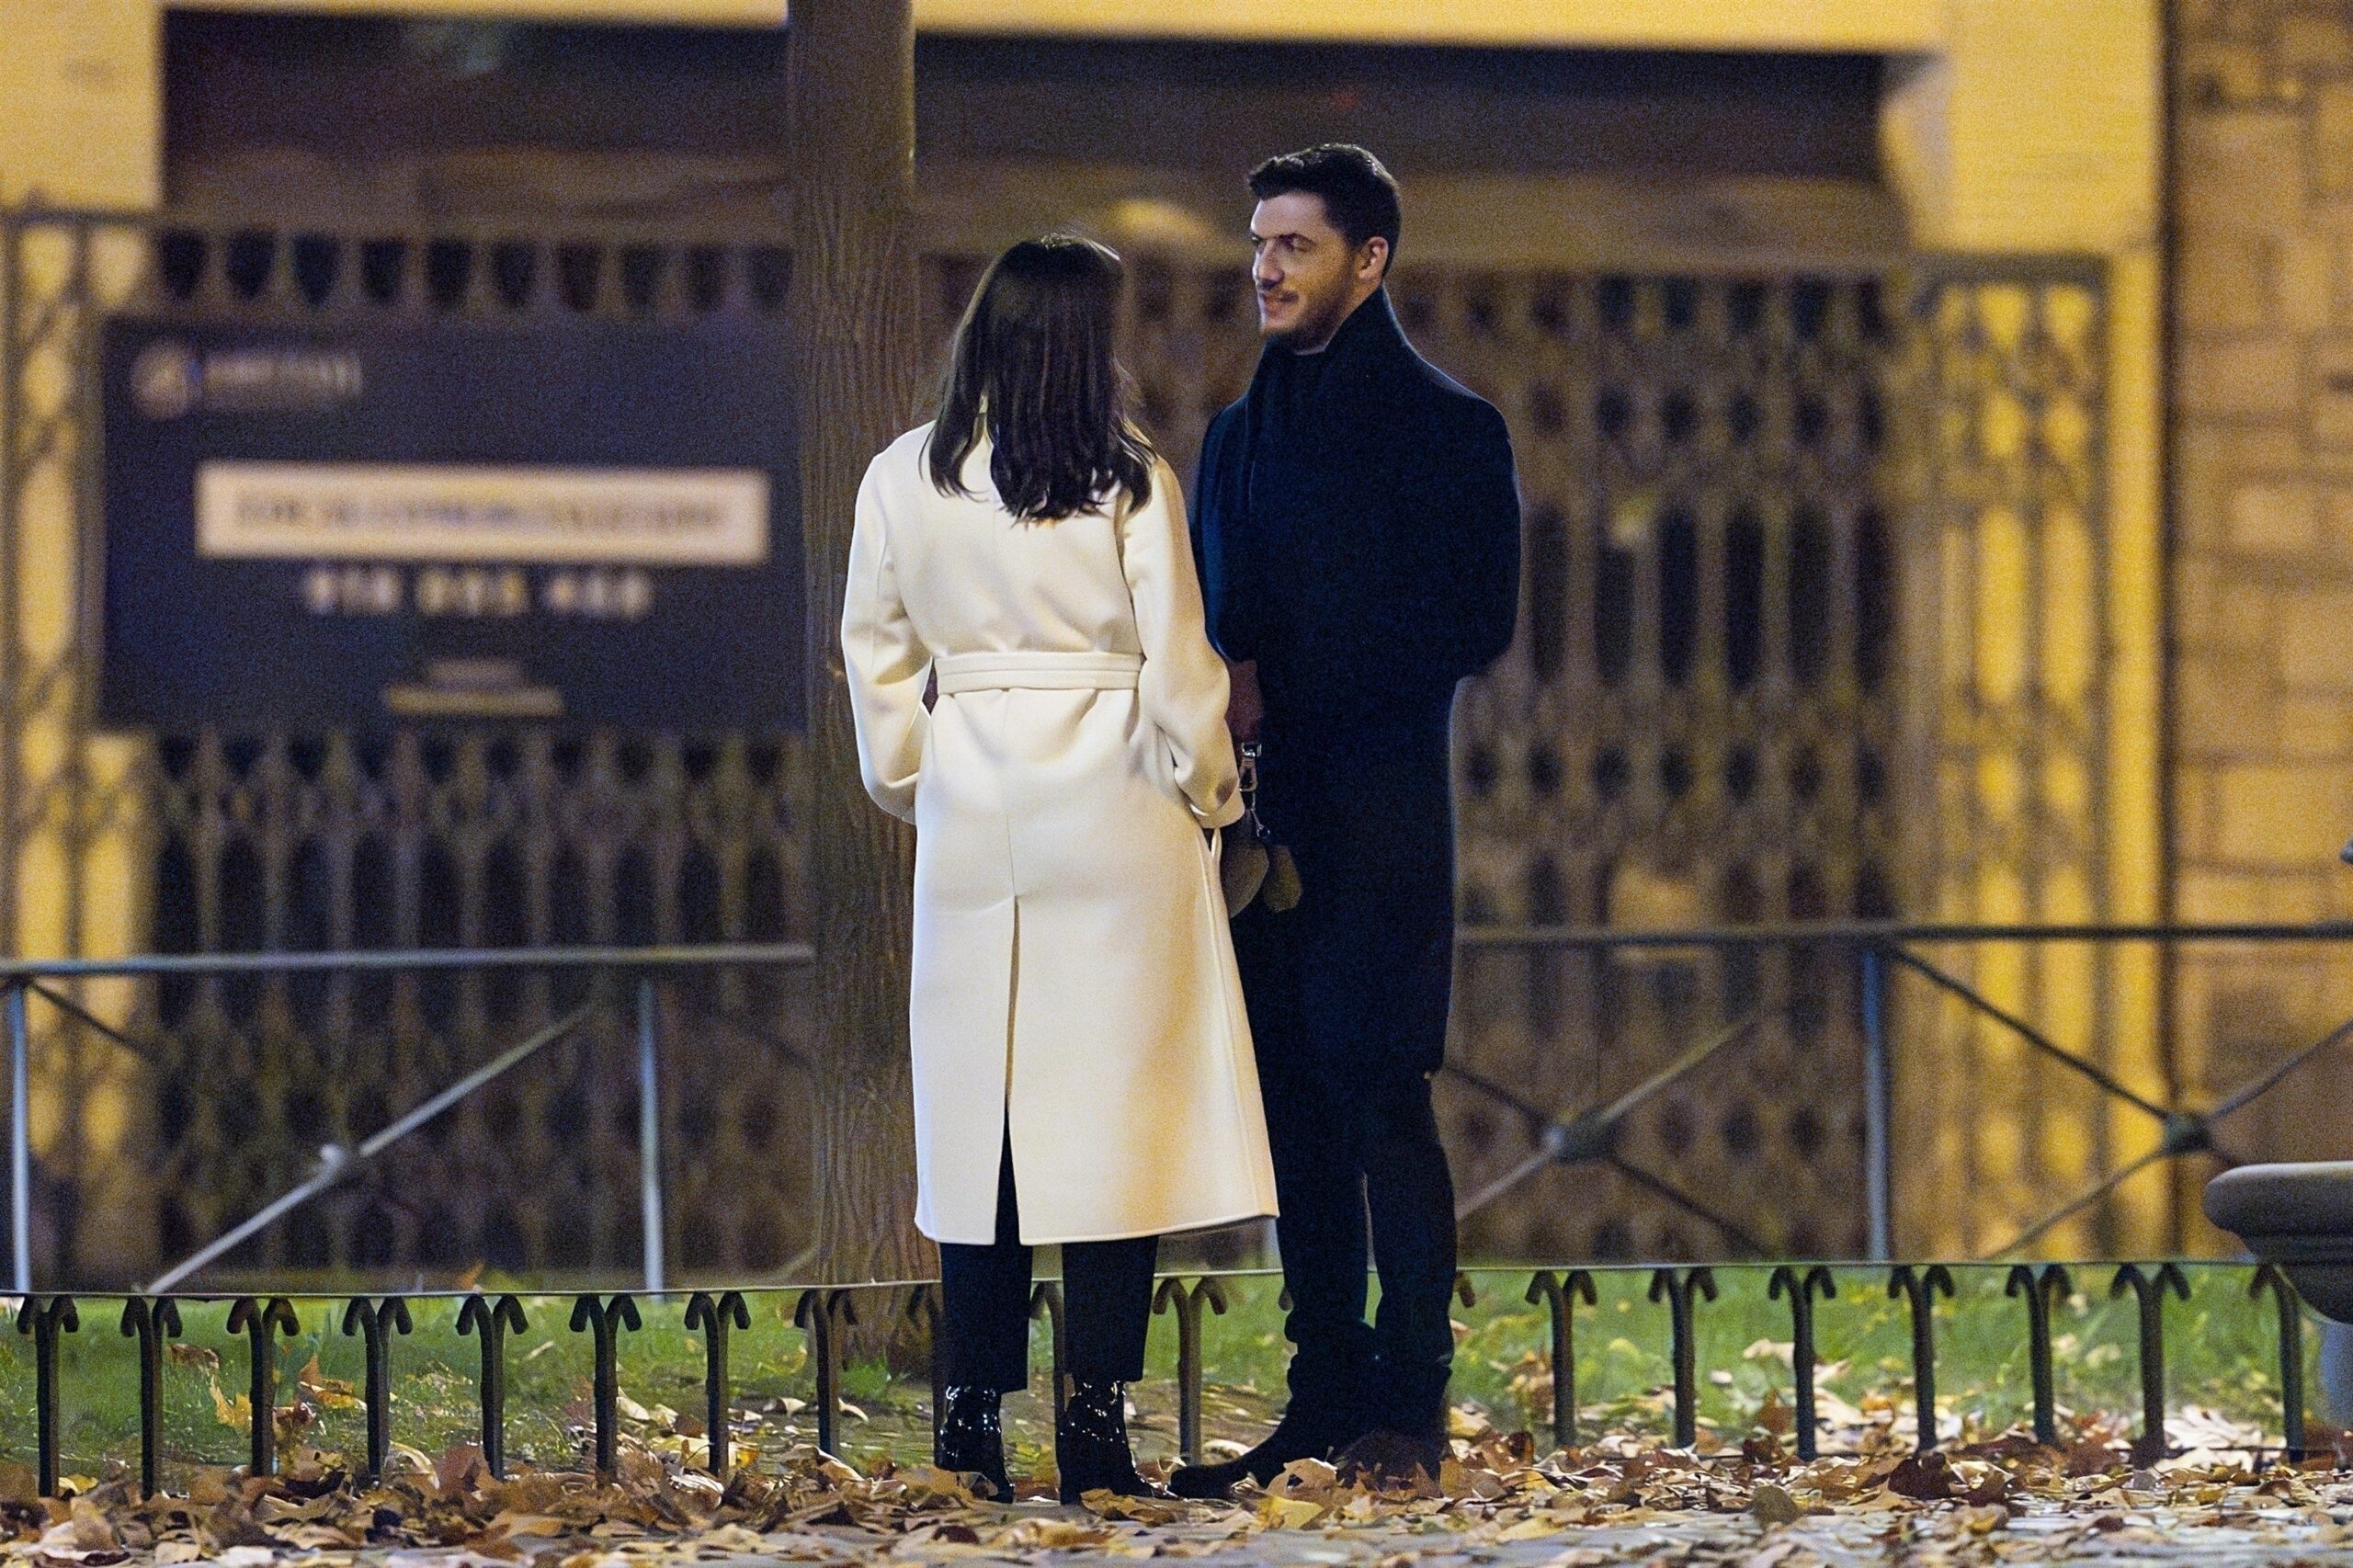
(1678, 1289)
(1799, 1285)
(494, 1320)
(649, 1130)
(2292, 1355)
(374, 1320)
(714, 1318)
(260, 1321)
(604, 1320)
(150, 1321)
(1921, 1288)
(1188, 1306)
(1562, 1295)
(1879, 1176)
(44, 1321)
(20, 1138)
(2039, 1290)
(2149, 1294)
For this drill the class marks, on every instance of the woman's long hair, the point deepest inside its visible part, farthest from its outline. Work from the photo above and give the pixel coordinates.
(1033, 362)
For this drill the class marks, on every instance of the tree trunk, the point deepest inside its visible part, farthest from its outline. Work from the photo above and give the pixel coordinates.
(850, 73)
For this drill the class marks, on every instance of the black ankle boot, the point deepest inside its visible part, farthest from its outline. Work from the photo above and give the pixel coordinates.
(1091, 1452)
(1305, 1432)
(970, 1441)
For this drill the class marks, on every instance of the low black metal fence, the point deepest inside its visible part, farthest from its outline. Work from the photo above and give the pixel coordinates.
(1874, 954)
(695, 1336)
(637, 971)
(605, 981)
(1681, 1299)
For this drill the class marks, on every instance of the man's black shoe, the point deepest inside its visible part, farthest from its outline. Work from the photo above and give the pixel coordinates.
(1385, 1459)
(1297, 1436)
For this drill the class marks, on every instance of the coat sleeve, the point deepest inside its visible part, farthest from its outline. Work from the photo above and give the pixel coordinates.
(1218, 547)
(1182, 690)
(1479, 571)
(887, 663)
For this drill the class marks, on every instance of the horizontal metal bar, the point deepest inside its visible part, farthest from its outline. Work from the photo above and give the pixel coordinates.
(570, 1284)
(748, 955)
(1864, 933)
(591, 229)
(737, 955)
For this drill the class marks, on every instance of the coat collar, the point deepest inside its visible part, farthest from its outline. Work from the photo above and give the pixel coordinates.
(1367, 345)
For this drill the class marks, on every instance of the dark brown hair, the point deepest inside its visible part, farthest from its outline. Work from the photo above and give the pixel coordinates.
(1033, 359)
(1359, 195)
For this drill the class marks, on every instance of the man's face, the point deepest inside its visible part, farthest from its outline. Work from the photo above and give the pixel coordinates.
(1309, 276)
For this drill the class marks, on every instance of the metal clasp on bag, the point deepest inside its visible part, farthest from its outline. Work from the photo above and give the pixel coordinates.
(1280, 875)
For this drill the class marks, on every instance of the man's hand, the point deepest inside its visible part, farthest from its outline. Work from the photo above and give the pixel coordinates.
(1242, 708)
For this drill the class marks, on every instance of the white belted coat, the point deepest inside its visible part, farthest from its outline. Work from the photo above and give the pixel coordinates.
(1074, 980)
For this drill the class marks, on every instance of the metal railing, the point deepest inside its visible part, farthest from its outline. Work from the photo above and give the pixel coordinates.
(824, 1315)
(1880, 949)
(21, 979)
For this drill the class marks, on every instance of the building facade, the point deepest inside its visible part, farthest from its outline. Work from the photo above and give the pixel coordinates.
(1834, 343)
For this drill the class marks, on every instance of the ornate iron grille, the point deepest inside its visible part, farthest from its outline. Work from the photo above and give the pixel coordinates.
(1711, 716)
(493, 836)
(1697, 726)
(2004, 374)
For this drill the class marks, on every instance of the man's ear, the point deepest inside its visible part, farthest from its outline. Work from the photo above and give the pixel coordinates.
(1372, 258)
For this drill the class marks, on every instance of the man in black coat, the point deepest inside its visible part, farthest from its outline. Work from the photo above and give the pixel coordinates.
(1357, 521)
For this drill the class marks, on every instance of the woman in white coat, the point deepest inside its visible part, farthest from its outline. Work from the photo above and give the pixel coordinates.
(1082, 1069)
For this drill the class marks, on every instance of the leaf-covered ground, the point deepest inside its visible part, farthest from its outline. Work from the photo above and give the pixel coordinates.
(1739, 1496)
(1500, 1500)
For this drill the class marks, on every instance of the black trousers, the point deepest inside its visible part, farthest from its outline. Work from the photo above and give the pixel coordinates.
(1360, 1170)
(984, 1303)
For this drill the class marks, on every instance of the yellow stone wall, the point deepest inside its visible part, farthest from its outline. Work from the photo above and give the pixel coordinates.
(2038, 131)
(2262, 551)
(80, 108)
(2012, 126)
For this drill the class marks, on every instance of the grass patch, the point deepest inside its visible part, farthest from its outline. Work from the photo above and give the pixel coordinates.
(2221, 1348)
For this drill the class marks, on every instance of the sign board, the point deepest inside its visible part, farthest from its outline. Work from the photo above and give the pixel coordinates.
(323, 526)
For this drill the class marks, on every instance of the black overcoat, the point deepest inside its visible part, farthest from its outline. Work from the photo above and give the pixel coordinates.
(1358, 531)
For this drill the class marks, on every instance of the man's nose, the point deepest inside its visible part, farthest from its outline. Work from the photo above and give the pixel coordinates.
(1266, 272)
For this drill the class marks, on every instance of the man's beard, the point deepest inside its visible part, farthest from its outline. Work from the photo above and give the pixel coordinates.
(1318, 321)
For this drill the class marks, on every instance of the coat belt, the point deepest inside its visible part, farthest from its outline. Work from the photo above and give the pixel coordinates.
(1034, 671)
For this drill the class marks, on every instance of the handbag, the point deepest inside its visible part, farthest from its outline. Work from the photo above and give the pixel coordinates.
(1250, 862)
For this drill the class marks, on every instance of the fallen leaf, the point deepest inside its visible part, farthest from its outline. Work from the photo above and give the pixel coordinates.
(236, 1413)
(1288, 1513)
(196, 1355)
(456, 1469)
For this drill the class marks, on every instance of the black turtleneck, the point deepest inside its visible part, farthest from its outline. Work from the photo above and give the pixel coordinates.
(1292, 377)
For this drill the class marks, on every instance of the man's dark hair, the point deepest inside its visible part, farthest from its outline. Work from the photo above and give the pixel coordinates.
(1359, 195)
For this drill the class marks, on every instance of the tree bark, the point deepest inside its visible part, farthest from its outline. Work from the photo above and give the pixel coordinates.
(850, 75)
